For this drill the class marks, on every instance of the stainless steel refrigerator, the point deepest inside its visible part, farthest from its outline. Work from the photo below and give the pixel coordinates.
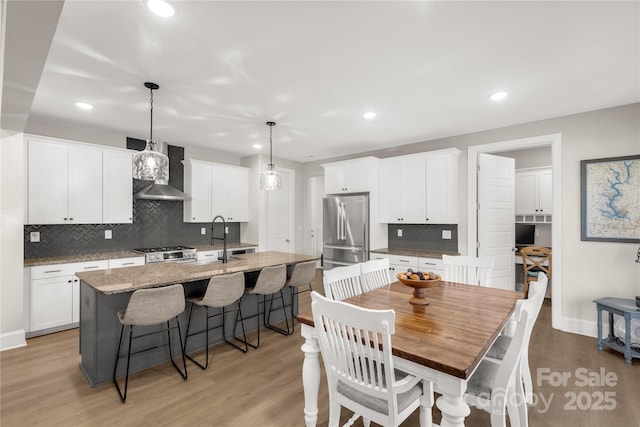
(345, 230)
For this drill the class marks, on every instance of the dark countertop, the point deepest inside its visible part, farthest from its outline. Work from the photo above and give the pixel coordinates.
(30, 262)
(422, 253)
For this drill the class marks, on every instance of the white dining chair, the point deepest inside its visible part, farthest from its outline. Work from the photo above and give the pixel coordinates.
(496, 387)
(498, 350)
(467, 269)
(342, 282)
(355, 344)
(375, 273)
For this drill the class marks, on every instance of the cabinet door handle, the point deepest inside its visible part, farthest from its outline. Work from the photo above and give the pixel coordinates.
(65, 219)
(128, 263)
(404, 260)
(430, 263)
(70, 219)
(69, 281)
(52, 271)
(92, 266)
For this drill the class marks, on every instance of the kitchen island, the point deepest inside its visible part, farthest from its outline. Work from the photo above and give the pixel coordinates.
(105, 292)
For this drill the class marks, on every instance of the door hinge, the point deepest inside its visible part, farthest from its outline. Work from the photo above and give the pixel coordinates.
(477, 206)
(477, 245)
(478, 165)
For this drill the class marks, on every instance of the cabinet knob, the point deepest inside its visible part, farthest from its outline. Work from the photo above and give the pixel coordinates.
(192, 218)
(70, 219)
(65, 219)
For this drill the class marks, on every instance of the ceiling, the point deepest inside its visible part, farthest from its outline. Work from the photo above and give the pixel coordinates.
(425, 68)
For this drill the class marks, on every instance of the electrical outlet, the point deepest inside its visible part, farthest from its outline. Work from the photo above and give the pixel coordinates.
(34, 236)
(446, 234)
(399, 232)
(203, 231)
(108, 234)
(226, 230)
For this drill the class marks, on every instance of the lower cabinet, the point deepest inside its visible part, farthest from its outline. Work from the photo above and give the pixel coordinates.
(54, 293)
(400, 263)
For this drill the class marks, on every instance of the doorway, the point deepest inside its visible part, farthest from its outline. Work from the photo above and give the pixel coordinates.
(554, 141)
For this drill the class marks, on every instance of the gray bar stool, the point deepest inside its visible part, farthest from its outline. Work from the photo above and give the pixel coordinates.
(302, 275)
(270, 281)
(222, 291)
(149, 307)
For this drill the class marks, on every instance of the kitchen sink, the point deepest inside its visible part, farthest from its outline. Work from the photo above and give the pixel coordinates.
(216, 261)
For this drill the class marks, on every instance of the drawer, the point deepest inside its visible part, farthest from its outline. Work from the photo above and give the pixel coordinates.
(207, 255)
(431, 264)
(126, 262)
(402, 260)
(56, 270)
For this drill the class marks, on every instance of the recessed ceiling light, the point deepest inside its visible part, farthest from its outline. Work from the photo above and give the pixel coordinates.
(161, 8)
(84, 106)
(369, 115)
(498, 96)
(257, 146)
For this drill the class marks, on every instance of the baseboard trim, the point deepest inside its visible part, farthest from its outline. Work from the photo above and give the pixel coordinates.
(13, 339)
(587, 328)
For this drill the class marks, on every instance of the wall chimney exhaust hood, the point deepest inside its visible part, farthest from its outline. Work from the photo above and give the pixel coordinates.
(160, 190)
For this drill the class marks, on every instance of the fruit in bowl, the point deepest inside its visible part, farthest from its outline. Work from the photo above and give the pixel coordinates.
(413, 279)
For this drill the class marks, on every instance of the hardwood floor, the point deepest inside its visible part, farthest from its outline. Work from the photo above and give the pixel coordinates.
(42, 385)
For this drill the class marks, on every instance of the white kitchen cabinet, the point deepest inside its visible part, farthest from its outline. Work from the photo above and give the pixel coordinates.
(216, 189)
(64, 183)
(197, 184)
(351, 176)
(230, 193)
(71, 182)
(117, 187)
(402, 189)
(55, 294)
(400, 263)
(442, 186)
(204, 256)
(534, 191)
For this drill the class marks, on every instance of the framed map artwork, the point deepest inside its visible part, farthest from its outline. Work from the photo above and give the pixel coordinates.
(611, 199)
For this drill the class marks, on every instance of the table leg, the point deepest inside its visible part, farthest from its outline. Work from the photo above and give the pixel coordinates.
(310, 375)
(599, 327)
(426, 404)
(451, 404)
(627, 338)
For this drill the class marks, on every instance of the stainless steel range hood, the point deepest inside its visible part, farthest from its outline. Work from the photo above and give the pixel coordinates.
(161, 190)
(157, 191)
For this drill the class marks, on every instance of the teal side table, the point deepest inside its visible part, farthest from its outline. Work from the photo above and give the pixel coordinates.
(622, 307)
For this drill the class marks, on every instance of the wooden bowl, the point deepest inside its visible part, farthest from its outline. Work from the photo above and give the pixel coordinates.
(418, 286)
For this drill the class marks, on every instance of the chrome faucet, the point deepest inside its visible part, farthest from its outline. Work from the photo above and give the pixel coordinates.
(224, 257)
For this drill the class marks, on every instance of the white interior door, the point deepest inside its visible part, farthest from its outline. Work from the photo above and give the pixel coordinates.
(496, 216)
(280, 214)
(316, 193)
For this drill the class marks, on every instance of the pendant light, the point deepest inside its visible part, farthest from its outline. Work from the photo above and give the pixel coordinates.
(270, 179)
(150, 164)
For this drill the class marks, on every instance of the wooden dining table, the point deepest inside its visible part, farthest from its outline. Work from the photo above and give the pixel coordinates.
(442, 342)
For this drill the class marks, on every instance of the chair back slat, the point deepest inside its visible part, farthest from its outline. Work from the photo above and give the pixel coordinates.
(375, 274)
(469, 270)
(341, 283)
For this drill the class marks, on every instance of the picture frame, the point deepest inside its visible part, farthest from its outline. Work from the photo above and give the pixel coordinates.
(610, 207)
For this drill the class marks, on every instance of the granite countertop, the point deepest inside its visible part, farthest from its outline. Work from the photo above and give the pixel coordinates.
(422, 253)
(219, 247)
(128, 279)
(30, 262)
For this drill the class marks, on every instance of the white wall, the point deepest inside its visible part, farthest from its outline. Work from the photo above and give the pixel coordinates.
(11, 244)
(589, 269)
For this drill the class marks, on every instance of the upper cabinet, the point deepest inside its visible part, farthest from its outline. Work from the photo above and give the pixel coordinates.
(402, 189)
(420, 188)
(351, 176)
(215, 189)
(442, 186)
(66, 183)
(117, 187)
(534, 192)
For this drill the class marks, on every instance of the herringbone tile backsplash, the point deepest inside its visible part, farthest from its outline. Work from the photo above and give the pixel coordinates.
(155, 223)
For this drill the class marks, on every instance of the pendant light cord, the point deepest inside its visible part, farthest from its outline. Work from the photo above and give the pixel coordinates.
(151, 125)
(270, 144)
